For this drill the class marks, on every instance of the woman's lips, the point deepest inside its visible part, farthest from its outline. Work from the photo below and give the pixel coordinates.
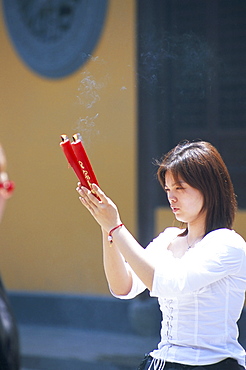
(174, 209)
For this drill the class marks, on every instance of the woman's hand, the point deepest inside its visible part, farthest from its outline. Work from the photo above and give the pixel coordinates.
(104, 210)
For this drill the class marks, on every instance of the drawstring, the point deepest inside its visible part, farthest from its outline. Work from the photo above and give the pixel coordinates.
(158, 363)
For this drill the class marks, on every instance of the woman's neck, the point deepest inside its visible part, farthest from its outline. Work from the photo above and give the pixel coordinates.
(195, 232)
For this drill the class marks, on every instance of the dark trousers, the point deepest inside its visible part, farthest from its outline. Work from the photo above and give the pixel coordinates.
(227, 364)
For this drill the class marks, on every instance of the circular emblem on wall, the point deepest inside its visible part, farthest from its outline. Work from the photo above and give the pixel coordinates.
(54, 37)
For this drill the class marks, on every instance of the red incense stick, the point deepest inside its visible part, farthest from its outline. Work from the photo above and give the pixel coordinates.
(83, 160)
(79, 161)
(72, 160)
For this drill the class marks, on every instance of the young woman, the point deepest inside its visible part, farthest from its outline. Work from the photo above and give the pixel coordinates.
(198, 272)
(9, 339)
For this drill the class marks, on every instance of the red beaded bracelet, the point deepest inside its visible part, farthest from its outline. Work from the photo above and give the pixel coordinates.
(110, 236)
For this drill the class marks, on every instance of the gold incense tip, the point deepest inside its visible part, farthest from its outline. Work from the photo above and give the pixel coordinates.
(77, 137)
(64, 137)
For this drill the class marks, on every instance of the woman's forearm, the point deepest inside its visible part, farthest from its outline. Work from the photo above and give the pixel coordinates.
(135, 255)
(116, 269)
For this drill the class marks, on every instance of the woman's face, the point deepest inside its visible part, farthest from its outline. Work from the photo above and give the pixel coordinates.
(185, 201)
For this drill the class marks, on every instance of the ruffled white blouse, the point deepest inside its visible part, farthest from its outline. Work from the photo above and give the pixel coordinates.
(201, 296)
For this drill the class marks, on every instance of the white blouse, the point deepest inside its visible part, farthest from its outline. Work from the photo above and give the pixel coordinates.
(201, 296)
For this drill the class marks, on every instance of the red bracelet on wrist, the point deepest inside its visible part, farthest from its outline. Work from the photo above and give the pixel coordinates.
(110, 236)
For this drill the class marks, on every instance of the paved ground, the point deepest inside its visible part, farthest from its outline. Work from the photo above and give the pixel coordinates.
(57, 348)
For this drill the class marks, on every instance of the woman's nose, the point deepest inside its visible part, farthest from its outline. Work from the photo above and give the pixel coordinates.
(171, 197)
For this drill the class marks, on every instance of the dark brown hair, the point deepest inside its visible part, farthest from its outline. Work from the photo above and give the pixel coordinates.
(200, 165)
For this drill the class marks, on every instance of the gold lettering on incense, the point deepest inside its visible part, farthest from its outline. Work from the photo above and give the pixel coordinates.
(86, 175)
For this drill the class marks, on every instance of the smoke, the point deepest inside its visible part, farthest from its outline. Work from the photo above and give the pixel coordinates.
(192, 59)
(88, 95)
(86, 126)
